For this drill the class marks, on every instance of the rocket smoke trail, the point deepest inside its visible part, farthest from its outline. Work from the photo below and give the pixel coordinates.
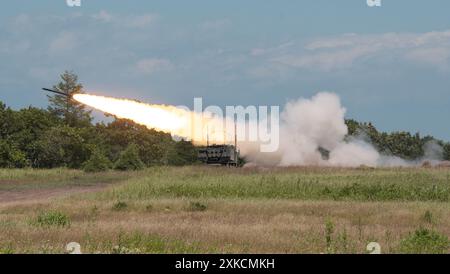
(306, 126)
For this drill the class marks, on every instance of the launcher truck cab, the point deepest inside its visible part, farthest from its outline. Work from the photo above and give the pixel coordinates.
(225, 155)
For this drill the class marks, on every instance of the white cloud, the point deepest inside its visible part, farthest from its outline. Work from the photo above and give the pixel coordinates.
(344, 51)
(434, 56)
(44, 73)
(324, 61)
(132, 21)
(15, 47)
(257, 52)
(65, 41)
(265, 51)
(381, 41)
(149, 66)
(141, 21)
(22, 20)
(103, 16)
(268, 71)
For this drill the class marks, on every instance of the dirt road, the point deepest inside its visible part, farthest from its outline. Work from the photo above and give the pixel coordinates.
(37, 194)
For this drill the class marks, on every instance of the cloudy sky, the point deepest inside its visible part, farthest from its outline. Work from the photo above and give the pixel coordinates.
(390, 65)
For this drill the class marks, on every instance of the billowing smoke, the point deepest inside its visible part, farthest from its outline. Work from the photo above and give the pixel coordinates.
(433, 151)
(433, 154)
(313, 132)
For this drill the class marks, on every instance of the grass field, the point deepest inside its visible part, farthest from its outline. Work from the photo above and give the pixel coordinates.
(226, 210)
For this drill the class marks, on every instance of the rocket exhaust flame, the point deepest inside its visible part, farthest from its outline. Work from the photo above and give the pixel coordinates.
(198, 126)
(169, 119)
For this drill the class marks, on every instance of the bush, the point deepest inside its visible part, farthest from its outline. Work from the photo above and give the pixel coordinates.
(197, 206)
(52, 218)
(97, 162)
(11, 157)
(7, 249)
(149, 207)
(129, 159)
(119, 206)
(424, 241)
(182, 153)
(61, 146)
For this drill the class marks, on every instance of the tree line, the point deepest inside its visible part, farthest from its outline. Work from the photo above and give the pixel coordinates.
(64, 135)
(400, 143)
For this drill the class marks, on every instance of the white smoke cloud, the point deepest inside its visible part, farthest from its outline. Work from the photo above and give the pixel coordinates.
(309, 125)
(433, 151)
(352, 154)
(311, 131)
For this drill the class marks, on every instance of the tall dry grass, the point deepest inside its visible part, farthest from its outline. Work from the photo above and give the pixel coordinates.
(220, 210)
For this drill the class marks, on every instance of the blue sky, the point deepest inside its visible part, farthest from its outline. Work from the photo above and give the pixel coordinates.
(390, 65)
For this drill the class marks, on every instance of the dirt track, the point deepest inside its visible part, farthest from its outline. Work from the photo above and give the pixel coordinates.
(10, 196)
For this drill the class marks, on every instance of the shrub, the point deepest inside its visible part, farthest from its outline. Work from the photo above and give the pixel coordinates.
(182, 153)
(329, 230)
(149, 207)
(120, 206)
(61, 146)
(197, 206)
(7, 249)
(52, 218)
(129, 159)
(424, 241)
(11, 157)
(97, 162)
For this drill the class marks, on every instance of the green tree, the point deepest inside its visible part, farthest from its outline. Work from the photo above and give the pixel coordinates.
(7, 121)
(97, 162)
(183, 153)
(153, 146)
(405, 145)
(11, 157)
(30, 126)
(129, 159)
(353, 126)
(447, 151)
(61, 146)
(402, 144)
(73, 113)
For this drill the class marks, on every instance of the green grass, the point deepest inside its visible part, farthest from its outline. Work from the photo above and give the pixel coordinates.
(227, 210)
(138, 242)
(23, 179)
(38, 174)
(425, 241)
(51, 218)
(321, 184)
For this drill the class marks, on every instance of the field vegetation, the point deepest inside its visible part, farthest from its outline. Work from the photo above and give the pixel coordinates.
(226, 210)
